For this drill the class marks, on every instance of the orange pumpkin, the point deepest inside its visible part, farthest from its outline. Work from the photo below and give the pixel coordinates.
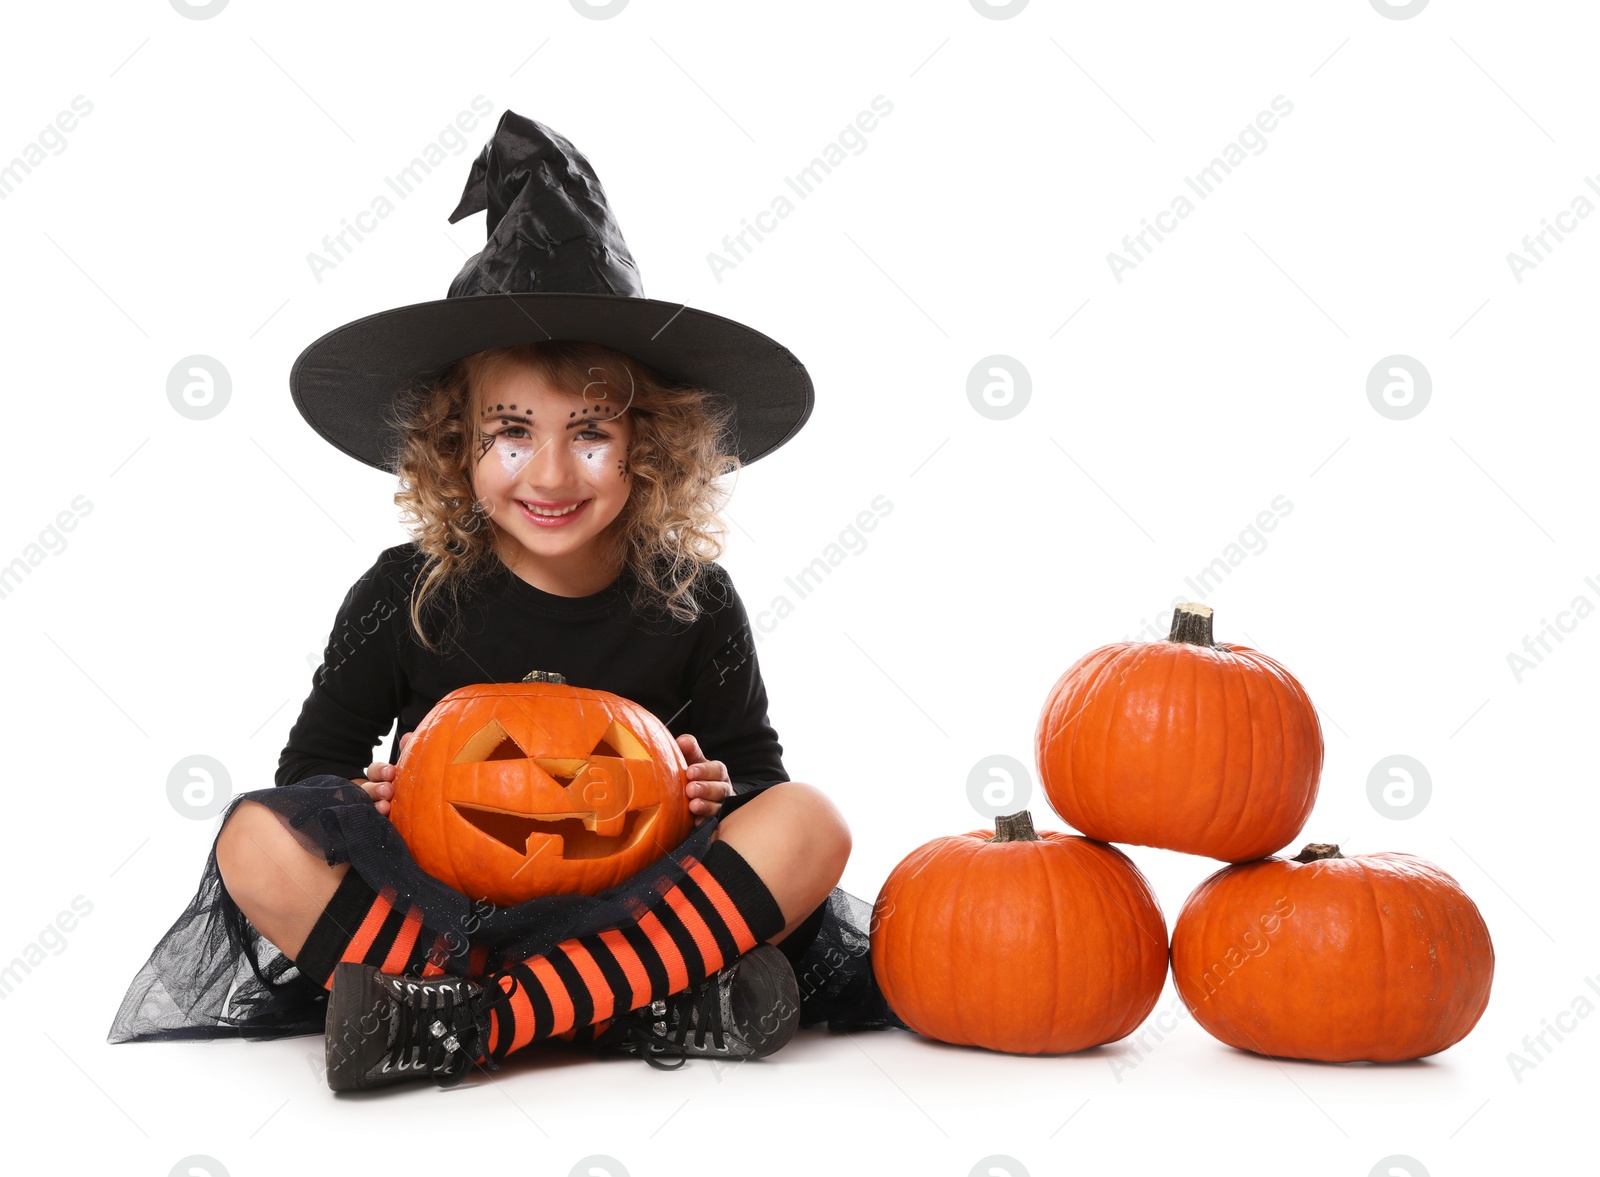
(512, 790)
(1374, 957)
(1184, 744)
(1025, 942)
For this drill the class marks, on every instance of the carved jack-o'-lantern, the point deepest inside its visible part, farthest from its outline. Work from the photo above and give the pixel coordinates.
(512, 790)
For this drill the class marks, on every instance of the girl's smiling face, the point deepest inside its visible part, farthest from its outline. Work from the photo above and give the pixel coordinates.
(551, 471)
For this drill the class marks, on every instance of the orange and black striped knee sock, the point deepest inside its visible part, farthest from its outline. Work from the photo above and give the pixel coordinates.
(718, 912)
(365, 926)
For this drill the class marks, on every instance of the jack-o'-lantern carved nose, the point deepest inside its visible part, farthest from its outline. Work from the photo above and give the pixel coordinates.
(598, 794)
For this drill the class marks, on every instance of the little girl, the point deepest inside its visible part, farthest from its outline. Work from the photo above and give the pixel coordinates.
(562, 497)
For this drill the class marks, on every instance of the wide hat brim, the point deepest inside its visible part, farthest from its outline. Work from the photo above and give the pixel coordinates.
(345, 382)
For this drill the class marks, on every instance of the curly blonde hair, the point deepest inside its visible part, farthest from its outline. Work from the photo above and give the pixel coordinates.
(669, 529)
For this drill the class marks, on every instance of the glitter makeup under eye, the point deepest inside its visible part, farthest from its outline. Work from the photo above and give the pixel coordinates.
(597, 451)
(515, 453)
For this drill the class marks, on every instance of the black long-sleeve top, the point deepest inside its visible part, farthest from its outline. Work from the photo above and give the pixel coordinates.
(701, 677)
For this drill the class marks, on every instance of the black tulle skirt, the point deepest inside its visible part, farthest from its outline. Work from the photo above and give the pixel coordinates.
(212, 975)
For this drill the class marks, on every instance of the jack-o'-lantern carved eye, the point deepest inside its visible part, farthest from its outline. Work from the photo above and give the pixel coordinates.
(508, 791)
(492, 742)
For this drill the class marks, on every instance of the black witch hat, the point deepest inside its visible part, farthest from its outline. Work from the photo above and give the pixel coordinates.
(555, 267)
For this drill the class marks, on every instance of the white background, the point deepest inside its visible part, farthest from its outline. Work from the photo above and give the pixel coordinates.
(184, 613)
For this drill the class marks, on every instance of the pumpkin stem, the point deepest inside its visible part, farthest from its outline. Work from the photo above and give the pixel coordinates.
(1014, 827)
(542, 676)
(1191, 623)
(1317, 851)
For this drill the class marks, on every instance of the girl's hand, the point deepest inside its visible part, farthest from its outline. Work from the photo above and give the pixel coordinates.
(379, 774)
(709, 782)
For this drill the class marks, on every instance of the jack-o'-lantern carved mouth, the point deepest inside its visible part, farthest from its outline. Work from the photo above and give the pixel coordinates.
(578, 837)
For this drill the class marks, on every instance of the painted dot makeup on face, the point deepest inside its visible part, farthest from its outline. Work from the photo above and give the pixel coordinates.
(600, 454)
(514, 454)
(594, 414)
(486, 440)
(517, 451)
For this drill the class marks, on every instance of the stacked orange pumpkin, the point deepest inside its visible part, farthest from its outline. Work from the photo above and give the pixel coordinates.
(1371, 958)
(1209, 749)
(1031, 943)
(1182, 744)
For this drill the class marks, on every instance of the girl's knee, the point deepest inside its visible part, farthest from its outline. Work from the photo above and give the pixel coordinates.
(250, 840)
(813, 811)
(279, 885)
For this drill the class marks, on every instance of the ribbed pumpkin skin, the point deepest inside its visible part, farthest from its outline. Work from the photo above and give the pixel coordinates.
(1028, 947)
(1380, 957)
(1210, 750)
(554, 722)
